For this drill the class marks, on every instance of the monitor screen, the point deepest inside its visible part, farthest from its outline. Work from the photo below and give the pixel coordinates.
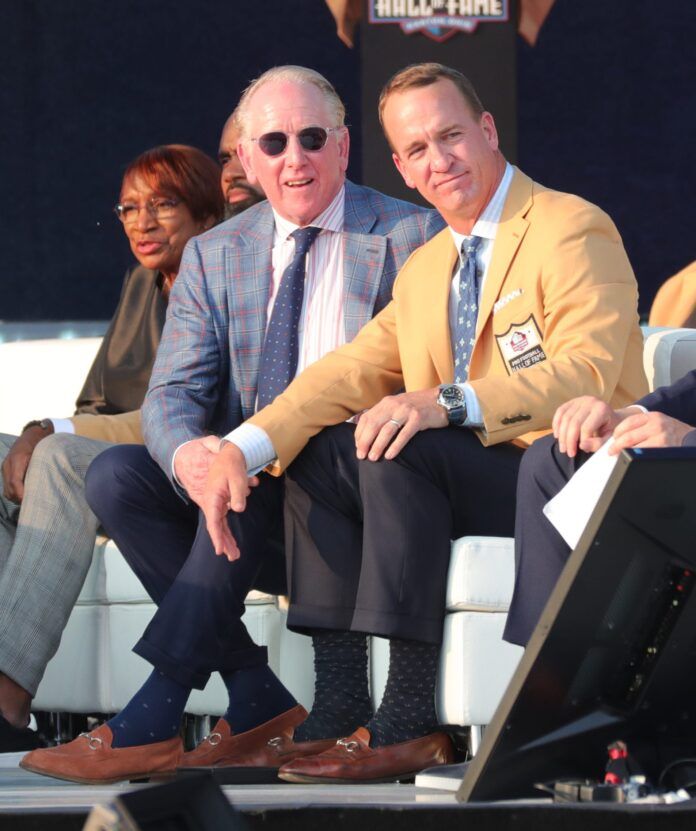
(614, 653)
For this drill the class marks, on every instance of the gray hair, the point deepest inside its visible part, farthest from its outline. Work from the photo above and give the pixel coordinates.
(298, 75)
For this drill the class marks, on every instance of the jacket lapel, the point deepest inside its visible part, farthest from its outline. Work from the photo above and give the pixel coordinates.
(363, 260)
(249, 271)
(511, 230)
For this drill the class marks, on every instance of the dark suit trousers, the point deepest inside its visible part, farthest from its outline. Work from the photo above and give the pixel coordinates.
(540, 551)
(369, 542)
(197, 628)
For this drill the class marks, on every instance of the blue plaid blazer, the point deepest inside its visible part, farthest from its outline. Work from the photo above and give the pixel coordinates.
(205, 374)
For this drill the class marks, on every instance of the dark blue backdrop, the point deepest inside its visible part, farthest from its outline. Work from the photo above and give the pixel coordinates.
(606, 110)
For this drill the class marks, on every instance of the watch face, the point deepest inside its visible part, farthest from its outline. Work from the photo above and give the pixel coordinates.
(451, 396)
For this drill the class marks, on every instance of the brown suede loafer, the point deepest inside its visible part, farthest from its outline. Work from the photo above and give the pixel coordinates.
(90, 759)
(267, 746)
(352, 760)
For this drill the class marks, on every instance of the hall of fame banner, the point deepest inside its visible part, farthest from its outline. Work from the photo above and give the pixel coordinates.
(438, 19)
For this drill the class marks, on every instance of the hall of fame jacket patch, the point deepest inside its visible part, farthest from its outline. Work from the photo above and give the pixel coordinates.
(520, 346)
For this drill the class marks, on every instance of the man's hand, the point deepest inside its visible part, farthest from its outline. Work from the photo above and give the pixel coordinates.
(14, 468)
(649, 430)
(391, 424)
(192, 463)
(227, 489)
(584, 423)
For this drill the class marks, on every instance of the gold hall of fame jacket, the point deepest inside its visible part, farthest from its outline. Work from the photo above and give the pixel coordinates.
(558, 318)
(123, 428)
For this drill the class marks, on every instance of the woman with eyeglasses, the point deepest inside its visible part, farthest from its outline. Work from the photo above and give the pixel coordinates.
(168, 195)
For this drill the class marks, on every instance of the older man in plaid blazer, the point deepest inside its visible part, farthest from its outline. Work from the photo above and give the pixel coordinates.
(229, 309)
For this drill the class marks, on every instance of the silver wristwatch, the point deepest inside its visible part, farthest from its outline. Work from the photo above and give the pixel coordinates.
(451, 397)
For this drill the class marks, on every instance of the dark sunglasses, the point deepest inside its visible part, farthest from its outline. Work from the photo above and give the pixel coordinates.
(312, 139)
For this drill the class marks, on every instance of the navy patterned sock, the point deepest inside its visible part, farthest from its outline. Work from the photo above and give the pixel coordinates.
(256, 696)
(407, 710)
(341, 696)
(153, 714)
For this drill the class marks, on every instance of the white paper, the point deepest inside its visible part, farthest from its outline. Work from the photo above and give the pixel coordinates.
(572, 506)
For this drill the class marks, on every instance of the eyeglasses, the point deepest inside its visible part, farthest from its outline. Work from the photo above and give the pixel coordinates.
(312, 139)
(158, 207)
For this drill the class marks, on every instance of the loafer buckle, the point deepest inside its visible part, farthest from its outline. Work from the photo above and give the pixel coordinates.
(94, 741)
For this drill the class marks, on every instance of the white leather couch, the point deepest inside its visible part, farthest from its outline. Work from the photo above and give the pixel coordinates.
(94, 670)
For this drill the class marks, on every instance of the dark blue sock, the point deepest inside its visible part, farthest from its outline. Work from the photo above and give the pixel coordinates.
(256, 696)
(153, 714)
(407, 710)
(341, 694)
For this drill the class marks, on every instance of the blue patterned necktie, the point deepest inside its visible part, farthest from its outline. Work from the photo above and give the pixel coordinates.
(280, 347)
(467, 310)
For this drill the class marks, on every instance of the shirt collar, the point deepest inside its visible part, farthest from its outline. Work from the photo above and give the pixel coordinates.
(486, 226)
(330, 219)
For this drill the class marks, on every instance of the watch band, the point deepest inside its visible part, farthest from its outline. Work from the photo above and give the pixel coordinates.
(44, 424)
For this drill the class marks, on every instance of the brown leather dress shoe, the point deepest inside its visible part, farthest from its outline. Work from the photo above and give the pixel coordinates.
(90, 759)
(352, 760)
(267, 746)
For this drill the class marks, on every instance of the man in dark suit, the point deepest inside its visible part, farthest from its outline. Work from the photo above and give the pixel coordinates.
(665, 418)
(263, 295)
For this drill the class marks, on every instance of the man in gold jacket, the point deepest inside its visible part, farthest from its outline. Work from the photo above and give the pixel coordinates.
(525, 300)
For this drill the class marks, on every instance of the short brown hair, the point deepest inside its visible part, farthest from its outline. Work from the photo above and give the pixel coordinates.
(425, 74)
(185, 173)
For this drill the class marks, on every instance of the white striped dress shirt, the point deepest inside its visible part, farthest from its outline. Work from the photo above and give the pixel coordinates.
(322, 326)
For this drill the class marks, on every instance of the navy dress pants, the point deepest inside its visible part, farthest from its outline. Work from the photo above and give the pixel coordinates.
(197, 628)
(540, 551)
(368, 543)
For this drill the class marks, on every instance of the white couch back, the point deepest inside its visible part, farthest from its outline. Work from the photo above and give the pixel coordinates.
(42, 378)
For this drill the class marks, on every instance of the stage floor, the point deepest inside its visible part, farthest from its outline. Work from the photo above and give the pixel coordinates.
(29, 801)
(22, 791)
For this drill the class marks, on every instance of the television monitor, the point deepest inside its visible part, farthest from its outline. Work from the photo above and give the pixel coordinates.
(614, 653)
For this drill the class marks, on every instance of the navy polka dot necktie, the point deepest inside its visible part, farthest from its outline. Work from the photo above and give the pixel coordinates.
(281, 346)
(467, 309)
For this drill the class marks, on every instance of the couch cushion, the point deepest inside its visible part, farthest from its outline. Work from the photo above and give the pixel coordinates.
(94, 588)
(476, 665)
(127, 671)
(76, 678)
(668, 354)
(120, 584)
(481, 574)
(57, 369)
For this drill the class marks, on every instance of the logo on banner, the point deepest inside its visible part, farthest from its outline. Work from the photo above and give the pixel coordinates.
(438, 19)
(521, 346)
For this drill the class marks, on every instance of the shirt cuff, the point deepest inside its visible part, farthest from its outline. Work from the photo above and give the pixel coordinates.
(255, 445)
(174, 478)
(689, 439)
(473, 408)
(62, 425)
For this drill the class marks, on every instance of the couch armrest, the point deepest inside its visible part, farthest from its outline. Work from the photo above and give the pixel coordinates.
(668, 354)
